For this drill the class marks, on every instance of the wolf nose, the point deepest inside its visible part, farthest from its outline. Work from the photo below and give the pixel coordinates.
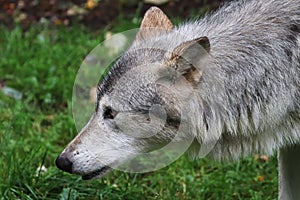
(63, 163)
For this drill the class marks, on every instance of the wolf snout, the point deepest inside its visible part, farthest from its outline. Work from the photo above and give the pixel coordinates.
(63, 163)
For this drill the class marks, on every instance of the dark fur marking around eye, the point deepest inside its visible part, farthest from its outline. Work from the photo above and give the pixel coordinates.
(109, 113)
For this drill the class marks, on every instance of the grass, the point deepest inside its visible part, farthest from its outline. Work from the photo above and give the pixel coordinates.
(42, 64)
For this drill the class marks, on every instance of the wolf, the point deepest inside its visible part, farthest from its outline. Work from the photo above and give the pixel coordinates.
(228, 83)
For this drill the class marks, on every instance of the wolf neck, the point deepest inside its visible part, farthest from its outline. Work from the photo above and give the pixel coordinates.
(254, 96)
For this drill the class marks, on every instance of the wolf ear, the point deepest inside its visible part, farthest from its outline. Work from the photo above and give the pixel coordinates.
(153, 23)
(188, 57)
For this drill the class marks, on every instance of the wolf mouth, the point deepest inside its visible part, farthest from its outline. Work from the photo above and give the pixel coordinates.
(97, 173)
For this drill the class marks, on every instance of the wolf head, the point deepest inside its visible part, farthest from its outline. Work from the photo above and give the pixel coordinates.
(144, 101)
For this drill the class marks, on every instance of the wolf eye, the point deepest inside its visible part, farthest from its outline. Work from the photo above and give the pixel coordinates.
(109, 113)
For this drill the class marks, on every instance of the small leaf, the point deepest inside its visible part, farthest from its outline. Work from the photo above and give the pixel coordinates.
(260, 178)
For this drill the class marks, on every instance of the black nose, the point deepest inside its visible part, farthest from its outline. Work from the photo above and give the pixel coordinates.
(63, 163)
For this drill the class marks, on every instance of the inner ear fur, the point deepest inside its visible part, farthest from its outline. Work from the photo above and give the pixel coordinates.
(153, 23)
(192, 49)
(188, 57)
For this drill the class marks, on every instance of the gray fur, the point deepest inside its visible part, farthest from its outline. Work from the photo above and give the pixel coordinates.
(244, 98)
(252, 83)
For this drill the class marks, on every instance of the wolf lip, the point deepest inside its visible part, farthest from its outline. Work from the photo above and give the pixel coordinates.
(98, 172)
